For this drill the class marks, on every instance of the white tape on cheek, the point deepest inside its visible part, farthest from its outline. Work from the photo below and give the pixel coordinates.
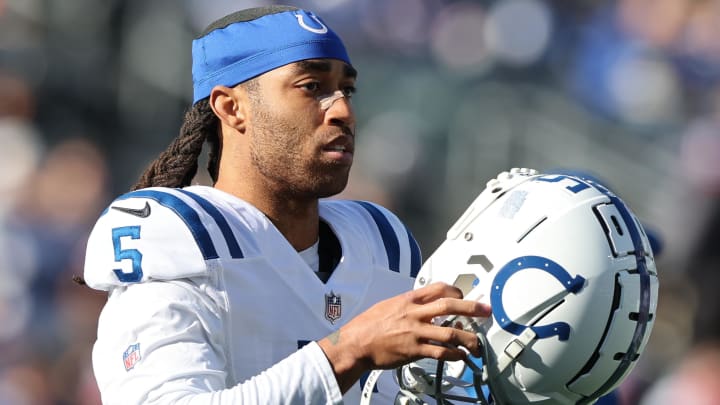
(327, 101)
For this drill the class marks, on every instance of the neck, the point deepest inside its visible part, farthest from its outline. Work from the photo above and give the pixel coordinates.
(297, 219)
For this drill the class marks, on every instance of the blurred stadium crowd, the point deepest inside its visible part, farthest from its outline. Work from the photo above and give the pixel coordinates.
(451, 93)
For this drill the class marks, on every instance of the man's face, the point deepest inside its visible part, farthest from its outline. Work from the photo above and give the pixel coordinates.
(300, 145)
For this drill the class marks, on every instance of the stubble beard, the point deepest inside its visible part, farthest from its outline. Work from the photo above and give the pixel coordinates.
(277, 153)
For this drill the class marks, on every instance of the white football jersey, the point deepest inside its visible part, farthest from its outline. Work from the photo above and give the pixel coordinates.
(209, 303)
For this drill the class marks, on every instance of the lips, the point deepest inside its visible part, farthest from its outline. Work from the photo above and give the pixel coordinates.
(343, 143)
(340, 149)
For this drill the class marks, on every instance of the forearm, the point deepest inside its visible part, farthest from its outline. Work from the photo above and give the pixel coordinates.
(182, 357)
(344, 361)
(302, 378)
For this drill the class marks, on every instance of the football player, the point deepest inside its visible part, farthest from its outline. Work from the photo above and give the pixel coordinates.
(258, 290)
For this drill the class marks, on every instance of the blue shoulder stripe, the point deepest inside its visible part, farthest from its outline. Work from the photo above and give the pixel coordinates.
(233, 246)
(415, 255)
(390, 239)
(186, 213)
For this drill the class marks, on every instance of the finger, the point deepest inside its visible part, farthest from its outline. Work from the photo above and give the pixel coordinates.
(447, 353)
(434, 291)
(484, 309)
(450, 337)
(452, 306)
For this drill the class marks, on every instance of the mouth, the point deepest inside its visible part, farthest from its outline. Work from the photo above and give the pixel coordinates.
(340, 150)
(337, 148)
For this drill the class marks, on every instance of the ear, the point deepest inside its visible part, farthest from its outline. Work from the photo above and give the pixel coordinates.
(229, 104)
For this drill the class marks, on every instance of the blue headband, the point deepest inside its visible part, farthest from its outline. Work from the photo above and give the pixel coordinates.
(242, 50)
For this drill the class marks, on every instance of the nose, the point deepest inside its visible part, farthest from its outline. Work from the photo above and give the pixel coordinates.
(327, 101)
(338, 110)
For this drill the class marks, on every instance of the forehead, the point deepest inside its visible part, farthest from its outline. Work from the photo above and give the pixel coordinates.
(321, 66)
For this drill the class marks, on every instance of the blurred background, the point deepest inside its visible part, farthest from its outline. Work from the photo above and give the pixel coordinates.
(450, 94)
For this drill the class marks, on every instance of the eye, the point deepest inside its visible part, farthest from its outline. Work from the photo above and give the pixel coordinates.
(348, 91)
(311, 86)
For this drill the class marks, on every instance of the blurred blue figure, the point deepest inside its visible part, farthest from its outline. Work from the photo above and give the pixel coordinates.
(609, 399)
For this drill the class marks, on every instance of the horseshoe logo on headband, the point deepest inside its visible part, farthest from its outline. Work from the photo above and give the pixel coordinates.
(322, 30)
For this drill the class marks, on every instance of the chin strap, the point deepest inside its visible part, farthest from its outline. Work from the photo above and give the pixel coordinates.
(367, 390)
(412, 379)
(417, 380)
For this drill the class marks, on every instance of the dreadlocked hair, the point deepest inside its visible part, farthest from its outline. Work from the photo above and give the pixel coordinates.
(178, 164)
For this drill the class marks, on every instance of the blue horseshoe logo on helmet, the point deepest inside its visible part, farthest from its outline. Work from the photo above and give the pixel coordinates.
(571, 284)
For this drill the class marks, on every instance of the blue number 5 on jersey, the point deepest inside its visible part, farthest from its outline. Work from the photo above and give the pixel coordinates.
(127, 254)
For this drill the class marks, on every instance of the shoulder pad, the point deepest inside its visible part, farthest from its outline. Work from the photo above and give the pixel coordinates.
(149, 234)
(386, 231)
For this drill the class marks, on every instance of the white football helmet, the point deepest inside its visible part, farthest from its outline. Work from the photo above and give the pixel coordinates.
(571, 278)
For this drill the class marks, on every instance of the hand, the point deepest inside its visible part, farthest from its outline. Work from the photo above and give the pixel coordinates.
(399, 330)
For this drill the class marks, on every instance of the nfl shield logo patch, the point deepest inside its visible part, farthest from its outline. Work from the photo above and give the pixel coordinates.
(333, 307)
(131, 356)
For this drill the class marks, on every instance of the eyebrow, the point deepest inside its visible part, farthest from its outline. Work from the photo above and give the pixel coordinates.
(324, 66)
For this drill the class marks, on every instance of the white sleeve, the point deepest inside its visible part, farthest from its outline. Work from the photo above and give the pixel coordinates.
(164, 342)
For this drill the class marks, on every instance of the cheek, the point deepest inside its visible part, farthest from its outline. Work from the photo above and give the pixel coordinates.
(289, 129)
(298, 128)
(304, 118)
(279, 139)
